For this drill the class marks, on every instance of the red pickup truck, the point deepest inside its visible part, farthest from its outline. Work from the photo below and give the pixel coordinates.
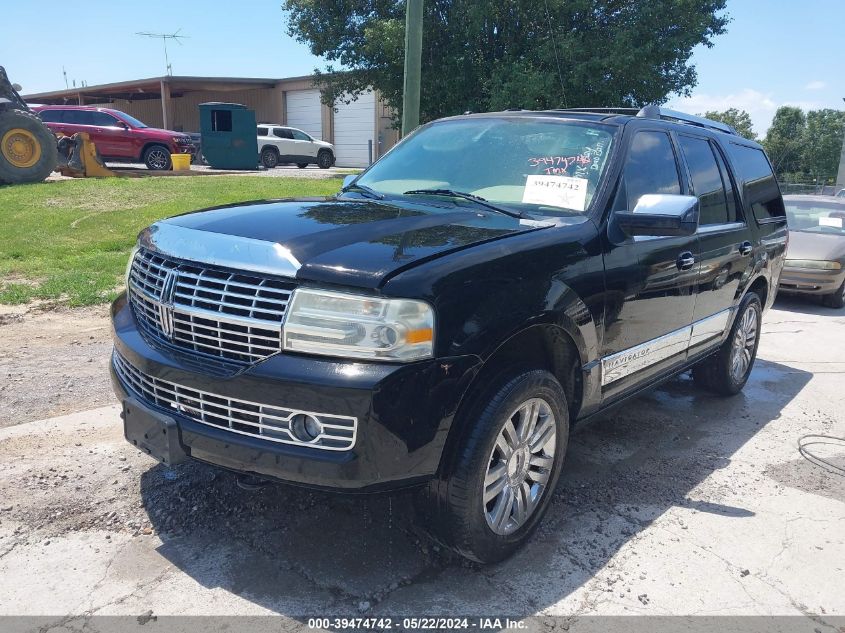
(118, 136)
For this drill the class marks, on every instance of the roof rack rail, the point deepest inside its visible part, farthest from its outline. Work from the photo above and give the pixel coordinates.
(631, 111)
(656, 112)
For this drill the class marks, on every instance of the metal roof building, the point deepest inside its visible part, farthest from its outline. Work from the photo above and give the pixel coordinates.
(171, 102)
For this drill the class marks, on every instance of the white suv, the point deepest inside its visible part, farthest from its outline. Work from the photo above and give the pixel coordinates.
(281, 144)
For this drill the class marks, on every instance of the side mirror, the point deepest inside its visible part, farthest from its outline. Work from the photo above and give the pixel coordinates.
(121, 125)
(348, 180)
(660, 215)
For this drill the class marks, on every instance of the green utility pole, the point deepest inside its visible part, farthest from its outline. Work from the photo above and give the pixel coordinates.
(413, 63)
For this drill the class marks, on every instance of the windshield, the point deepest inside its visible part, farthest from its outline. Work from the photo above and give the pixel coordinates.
(131, 120)
(816, 216)
(521, 164)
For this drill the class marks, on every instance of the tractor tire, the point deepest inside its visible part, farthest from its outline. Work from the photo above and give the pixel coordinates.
(27, 148)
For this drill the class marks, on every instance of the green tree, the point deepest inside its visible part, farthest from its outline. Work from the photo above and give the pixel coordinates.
(822, 144)
(494, 54)
(784, 140)
(739, 120)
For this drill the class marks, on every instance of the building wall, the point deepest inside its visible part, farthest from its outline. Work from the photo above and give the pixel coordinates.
(185, 116)
(269, 105)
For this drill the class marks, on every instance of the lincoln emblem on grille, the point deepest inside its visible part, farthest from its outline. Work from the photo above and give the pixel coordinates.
(165, 307)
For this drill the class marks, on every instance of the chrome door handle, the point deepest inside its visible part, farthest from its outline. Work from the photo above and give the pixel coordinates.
(745, 248)
(685, 261)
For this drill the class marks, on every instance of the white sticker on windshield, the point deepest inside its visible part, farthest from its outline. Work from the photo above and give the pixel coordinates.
(565, 192)
(837, 222)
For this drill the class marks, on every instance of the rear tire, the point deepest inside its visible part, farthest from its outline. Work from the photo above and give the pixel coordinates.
(28, 150)
(157, 158)
(269, 157)
(504, 471)
(837, 299)
(325, 159)
(727, 371)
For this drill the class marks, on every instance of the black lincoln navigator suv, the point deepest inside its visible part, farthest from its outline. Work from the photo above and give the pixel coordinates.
(446, 319)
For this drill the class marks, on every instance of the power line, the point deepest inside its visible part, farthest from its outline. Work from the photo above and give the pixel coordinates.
(554, 46)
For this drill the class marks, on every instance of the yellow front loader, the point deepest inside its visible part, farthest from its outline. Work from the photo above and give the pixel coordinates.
(29, 151)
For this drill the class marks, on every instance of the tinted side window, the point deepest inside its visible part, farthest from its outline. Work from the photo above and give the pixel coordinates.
(282, 132)
(78, 117)
(706, 179)
(51, 116)
(758, 181)
(262, 131)
(300, 136)
(650, 167)
(103, 120)
(730, 193)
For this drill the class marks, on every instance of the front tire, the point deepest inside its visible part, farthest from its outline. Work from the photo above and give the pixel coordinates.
(727, 371)
(325, 159)
(837, 299)
(28, 150)
(157, 158)
(506, 468)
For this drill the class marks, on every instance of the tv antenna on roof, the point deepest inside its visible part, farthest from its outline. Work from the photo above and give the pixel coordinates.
(164, 37)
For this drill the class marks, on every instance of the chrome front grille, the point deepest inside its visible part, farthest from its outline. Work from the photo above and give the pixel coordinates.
(268, 422)
(218, 313)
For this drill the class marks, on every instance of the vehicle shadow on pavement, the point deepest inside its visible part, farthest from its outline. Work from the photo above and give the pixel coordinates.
(297, 552)
(806, 305)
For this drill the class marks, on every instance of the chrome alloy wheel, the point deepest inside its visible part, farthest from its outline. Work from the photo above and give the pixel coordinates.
(520, 466)
(157, 159)
(745, 338)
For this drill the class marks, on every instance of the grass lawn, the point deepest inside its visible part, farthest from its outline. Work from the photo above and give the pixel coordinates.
(68, 241)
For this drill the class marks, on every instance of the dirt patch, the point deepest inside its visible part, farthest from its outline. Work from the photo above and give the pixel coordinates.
(52, 362)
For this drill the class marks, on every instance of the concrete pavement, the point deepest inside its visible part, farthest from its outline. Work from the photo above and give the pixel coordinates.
(680, 503)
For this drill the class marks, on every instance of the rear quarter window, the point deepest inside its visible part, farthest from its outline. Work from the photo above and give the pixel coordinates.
(760, 189)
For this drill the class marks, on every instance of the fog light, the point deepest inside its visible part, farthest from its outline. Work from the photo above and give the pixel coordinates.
(305, 428)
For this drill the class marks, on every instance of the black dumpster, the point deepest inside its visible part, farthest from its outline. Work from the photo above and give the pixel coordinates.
(229, 139)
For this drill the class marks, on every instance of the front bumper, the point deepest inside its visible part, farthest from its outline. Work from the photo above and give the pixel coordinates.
(810, 281)
(403, 412)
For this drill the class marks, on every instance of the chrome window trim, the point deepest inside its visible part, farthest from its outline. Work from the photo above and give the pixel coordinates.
(218, 249)
(633, 359)
(717, 228)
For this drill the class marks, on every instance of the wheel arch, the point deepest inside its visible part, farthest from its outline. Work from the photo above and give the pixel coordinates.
(545, 345)
(148, 144)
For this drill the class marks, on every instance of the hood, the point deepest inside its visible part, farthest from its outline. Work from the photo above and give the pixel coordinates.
(807, 245)
(351, 242)
(156, 131)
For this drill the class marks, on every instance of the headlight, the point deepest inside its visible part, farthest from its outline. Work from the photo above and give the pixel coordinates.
(129, 266)
(817, 264)
(353, 326)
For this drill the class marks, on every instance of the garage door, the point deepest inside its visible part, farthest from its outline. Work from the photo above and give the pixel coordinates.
(303, 111)
(354, 126)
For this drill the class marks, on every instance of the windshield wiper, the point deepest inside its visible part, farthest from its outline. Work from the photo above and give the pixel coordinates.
(466, 196)
(364, 189)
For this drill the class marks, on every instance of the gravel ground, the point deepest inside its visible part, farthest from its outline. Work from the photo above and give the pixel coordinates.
(680, 503)
(52, 362)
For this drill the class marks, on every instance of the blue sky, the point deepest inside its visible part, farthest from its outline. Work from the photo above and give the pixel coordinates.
(775, 52)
